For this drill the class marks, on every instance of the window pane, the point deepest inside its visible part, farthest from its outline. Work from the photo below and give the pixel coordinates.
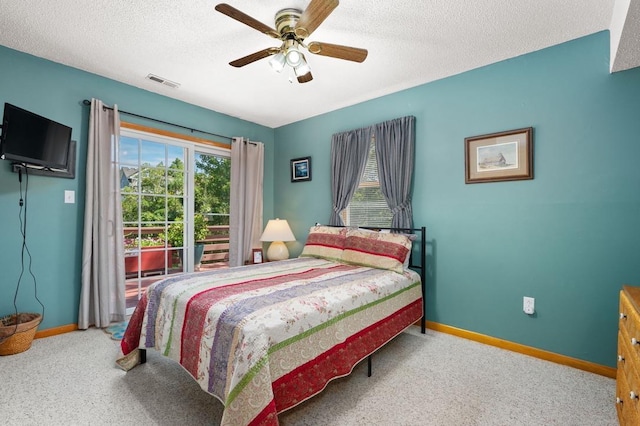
(176, 257)
(152, 235)
(131, 238)
(370, 173)
(175, 181)
(128, 179)
(175, 208)
(175, 234)
(153, 208)
(175, 155)
(152, 153)
(368, 206)
(152, 180)
(129, 209)
(128, 151)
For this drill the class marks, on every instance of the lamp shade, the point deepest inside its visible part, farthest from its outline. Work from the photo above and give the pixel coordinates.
(277, 230)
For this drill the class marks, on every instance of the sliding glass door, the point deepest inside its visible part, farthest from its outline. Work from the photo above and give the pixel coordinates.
(212, 187)
(167, 207)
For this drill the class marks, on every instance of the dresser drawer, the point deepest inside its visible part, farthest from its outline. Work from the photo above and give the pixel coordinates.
(628, 364)
(627, 376)
(629, 317)
(627, 413)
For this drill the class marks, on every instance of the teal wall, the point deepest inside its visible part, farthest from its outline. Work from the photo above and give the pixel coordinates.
(54, 234)
(570, 237)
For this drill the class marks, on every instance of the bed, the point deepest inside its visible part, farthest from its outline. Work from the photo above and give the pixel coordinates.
(263, 338)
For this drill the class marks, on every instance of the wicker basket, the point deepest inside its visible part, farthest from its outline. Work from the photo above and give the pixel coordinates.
(15, 340)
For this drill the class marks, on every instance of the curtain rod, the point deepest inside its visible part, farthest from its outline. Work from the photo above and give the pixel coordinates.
(88, 102)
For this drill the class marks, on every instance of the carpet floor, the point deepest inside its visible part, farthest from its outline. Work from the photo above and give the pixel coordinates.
(432, 379)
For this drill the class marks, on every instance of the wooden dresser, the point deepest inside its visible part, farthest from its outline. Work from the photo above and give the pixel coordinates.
(628, 377)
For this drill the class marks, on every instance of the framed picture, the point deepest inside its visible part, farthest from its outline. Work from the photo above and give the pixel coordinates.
(499, 156)
(301, 169)
(257, 255)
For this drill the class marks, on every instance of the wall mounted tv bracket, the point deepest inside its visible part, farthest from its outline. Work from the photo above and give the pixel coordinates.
(69, 173)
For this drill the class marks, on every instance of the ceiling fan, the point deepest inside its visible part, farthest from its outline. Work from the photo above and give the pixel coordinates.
(293, 27)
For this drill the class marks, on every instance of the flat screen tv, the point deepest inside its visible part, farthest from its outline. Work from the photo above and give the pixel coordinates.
(33, 139)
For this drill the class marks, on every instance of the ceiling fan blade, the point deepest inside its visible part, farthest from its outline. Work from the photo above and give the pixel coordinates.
(313, 16)
(254, 57)
(336, 51)
(234, 13)
(305, 78)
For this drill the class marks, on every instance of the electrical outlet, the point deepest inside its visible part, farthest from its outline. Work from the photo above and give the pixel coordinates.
(69, 197)
(529, 305)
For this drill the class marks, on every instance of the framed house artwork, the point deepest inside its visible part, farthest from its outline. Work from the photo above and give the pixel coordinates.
(499, 156)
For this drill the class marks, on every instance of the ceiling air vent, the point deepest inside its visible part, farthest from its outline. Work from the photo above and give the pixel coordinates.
(164, 81)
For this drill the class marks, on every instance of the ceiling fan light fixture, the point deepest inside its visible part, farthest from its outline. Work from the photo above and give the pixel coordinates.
(292, 53)
(293, 27)
(278, 62)
(294, 58)
(303, 68)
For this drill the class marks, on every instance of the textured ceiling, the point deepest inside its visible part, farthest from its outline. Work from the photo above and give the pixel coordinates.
(410, 43)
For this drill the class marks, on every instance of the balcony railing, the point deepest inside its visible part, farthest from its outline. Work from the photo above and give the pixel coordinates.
(216, 246)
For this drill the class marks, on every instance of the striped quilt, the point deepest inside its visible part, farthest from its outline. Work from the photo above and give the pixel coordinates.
(263, 338)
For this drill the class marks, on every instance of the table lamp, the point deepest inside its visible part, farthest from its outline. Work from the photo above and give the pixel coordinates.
(277, 232)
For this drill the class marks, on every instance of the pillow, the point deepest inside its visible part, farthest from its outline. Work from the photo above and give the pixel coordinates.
(377, 249)
(325, 242)
(411, 237)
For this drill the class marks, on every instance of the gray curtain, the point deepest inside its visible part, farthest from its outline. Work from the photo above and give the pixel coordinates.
(395, 140)
(102, 296)
(348, 157)
(245, 211)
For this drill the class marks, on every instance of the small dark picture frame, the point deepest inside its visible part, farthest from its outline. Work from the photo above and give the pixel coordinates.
(256, 256)
(301, 169)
